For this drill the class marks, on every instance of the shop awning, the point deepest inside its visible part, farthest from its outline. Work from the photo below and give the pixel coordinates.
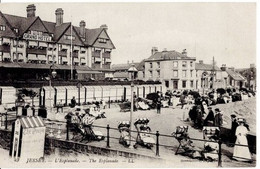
(43, 44)
(76, 48)
(6, 55)
(33, 43)
(42, 57)
(82, 49)
(97, 59)
(32, 57)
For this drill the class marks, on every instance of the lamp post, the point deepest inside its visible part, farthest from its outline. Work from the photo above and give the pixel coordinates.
(204, 74)
(51, 75)
(132, 71)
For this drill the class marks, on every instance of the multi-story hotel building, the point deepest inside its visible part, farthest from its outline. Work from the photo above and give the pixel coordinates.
(29, 46)
(175, 70)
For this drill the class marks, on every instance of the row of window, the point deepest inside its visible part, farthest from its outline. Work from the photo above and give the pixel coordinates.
(175, 64)
(98, 60)
(175, 73)
(184, 84)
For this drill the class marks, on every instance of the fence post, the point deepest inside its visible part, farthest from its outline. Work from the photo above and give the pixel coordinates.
(108, 146)
(219, 153)
(157, 143)
(6, 120)
(67, 127)
(109, 102)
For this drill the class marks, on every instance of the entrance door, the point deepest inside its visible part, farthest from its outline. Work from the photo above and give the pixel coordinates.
(175, 84)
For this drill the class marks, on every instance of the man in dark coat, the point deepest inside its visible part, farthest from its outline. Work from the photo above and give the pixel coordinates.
(234, 126)
(158, 105)
(199, 115)
(73, 102)
(210, 117)
(218, 118)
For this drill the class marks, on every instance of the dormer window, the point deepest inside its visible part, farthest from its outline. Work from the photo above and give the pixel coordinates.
(102, 40)
(2, 28)
(16, 30)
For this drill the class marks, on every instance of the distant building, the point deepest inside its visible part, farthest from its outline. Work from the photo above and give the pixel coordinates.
(121, 71)
(208, 76)
(233, 78)
(29, 45)
(250, 75)
(175, 70)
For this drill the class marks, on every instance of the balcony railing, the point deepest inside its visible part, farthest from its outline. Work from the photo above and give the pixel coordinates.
(36, 51)
(96, 54)
(4, 48)
(62, 53)
(106, 55)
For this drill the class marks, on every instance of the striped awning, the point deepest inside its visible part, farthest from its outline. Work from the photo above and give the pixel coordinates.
(31, 122)
(42, 44)
(42, 57)
(32, 57)
(76, 60)
(6, 41)
(108, 60)
(6, 55)
(33, 43)
(64, 59)
(82, 60)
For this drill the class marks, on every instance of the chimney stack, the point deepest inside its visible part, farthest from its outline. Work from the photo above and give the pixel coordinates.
(223, 67)
(59, 16)
(154, 50)
(164, 49)
(104, 26)
(200, 61)
(82, 25)
(31, 10)
(184, 52)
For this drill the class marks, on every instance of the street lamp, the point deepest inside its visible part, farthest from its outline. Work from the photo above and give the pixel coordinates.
(203, 77)
(132, 70)
(51, 76)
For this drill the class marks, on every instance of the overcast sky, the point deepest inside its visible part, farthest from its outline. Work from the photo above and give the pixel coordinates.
(224, 30)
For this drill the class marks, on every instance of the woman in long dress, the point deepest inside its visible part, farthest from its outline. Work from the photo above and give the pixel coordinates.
(241, 151)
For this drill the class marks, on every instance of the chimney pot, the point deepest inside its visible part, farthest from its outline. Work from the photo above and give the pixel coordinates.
(31, 10)
(154, 50)
(82, 25)
(201, 61)
(59, 16)
(184, 52)
(104, 26)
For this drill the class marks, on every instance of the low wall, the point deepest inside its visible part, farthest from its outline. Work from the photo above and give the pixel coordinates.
(51, 144)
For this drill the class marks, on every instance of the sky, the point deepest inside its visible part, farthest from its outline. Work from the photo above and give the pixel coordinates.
(226, 31)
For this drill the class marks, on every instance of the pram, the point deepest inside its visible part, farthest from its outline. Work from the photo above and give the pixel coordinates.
(143, 133)
(185, 143)
(123, 128)
(211, 147)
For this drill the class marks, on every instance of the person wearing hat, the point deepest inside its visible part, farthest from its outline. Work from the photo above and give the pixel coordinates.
(241, 150)
(210, 117)
(218, 121)
(234, 126)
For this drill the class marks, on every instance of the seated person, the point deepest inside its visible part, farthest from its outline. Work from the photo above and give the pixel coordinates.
(189, 149)
(211, 149)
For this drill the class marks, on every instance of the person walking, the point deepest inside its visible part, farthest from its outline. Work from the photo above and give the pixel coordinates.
(218, 121)
(210, 117)
(158, 105)
(241, 150)
(234, 125)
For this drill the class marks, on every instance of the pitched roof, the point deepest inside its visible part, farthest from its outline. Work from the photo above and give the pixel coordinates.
(203, 66)
(140, 66)
(123, 66)
(235, 75)
(23, 23)
(168, 55)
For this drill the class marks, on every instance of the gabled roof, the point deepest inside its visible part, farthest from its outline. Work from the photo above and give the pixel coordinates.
(123, 66)
(140, 66)
(207, 67)
(236, 76)
(21, 23)
(24, 23)
(168, 55)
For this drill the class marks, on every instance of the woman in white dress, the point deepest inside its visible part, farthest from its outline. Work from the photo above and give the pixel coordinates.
(241, 153)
